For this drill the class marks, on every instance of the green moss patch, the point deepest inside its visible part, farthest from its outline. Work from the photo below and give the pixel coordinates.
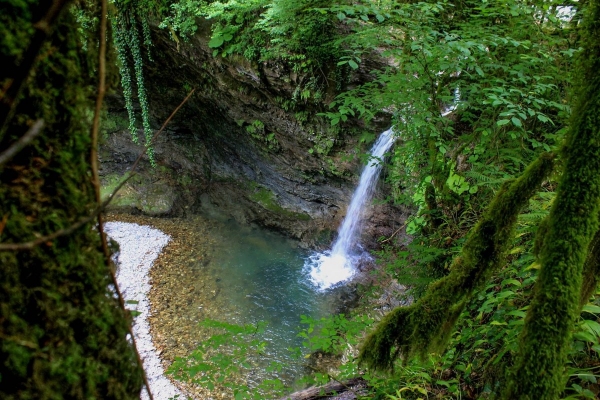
(268, 200)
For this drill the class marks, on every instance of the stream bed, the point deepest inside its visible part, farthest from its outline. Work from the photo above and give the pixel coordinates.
(219, 270)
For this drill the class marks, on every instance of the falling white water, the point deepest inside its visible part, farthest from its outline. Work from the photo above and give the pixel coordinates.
(449, 110)
(338, 264)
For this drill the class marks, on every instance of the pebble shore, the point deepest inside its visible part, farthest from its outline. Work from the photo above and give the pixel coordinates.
(139, 246)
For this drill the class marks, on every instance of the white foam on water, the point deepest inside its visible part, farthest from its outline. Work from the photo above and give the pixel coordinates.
(329, 269)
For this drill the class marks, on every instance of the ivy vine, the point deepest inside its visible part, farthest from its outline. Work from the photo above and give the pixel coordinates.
(127, 42)
(147, 38)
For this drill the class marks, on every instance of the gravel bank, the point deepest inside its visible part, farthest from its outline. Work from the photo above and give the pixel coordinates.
(139, 247)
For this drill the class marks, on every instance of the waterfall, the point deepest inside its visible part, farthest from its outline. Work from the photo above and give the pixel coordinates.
(338, 264)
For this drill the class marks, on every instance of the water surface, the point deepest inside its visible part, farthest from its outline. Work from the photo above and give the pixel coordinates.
(261, 276)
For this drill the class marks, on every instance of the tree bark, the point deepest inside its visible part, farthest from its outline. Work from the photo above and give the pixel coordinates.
(62, 332)
(540, 371)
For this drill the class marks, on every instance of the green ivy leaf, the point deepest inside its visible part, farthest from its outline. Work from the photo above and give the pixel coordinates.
(215, 42)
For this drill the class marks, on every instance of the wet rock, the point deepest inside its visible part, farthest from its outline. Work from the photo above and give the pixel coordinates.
(157, 199)
(237, 147)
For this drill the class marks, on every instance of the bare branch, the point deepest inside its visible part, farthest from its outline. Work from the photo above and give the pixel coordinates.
(31, 134)
(96, 178)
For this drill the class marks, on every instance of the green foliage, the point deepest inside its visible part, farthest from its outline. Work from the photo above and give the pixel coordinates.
(476, 90)
(485, 343)
(292, 33)
(323, 139)
(131, 21)
(261, 30)
(426, 325)
(571, 226)
(257, 130)
(224, 360)
(486, 339)
(333, 334)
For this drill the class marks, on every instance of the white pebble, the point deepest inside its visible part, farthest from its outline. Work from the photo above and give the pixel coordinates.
(139, 247)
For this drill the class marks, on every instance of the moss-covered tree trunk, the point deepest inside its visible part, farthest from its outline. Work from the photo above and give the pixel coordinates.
(62, 332)
(540, 370)
(426, 325)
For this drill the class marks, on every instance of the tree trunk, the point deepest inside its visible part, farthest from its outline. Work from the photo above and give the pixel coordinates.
(62, 332)
(540, 371)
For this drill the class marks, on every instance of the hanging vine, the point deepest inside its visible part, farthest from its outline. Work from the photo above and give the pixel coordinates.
(127, 42)
(121, 45)
(147, 37)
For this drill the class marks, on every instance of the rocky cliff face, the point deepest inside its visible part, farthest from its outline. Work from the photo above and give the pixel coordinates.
(248, 144)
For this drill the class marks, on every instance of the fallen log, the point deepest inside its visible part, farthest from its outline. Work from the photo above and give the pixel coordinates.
(346, 390)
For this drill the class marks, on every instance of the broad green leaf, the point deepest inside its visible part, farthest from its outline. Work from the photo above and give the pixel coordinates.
(585, 337)
(543, 118)
(591, 326)
(591, 308)
(215, 42)
(517, 313)
(505, 293)
(587, 377)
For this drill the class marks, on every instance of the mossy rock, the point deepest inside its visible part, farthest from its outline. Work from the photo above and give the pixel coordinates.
(125, 200)
(268, 200)
(151, 199)
(156, 200)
